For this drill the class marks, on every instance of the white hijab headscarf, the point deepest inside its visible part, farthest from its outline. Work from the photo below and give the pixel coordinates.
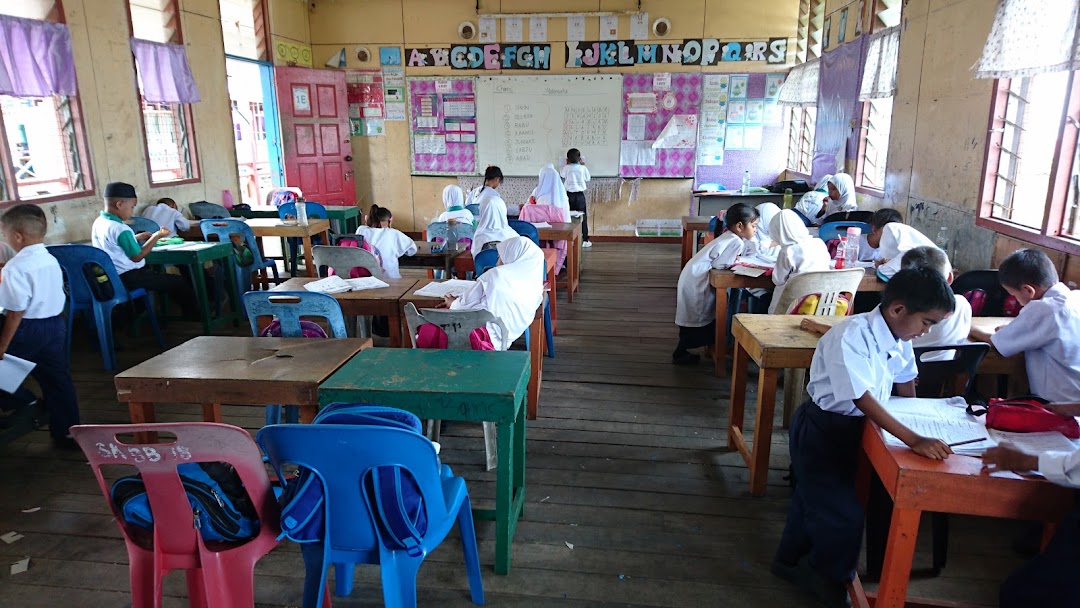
(511, 291)
(492, 224)
(788, 229)
(766, 213)
(823, 183)
(846, 187)
(551, 191)
(452, 198)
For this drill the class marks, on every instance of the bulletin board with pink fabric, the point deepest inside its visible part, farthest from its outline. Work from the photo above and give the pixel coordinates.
(659, 122)
(442, 125)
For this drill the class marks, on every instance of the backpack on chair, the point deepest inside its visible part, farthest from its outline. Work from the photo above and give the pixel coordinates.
(359, 241)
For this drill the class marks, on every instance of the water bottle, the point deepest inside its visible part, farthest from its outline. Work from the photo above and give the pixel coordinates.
(942, 240)
(851, 251)
(841, 251)
(227, 199)
(745, 182)
(789, 198)
(301, 212)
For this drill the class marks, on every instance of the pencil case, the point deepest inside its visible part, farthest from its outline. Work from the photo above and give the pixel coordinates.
(1028, 416)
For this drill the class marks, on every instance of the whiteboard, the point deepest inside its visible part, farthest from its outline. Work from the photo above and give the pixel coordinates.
(525, 122)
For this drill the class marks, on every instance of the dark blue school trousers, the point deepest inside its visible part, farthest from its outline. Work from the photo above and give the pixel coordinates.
(44, 342)
(1050, 579)
(825, 519)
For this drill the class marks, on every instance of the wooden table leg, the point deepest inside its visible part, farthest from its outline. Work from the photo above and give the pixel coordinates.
(142, 412)
(211, 412)
(737, 407)
(571, 270)
(720, 343)
(394, 321)
(236, 303)
(763, 427)
(688, 237)
(899, 552)
(202, 297)
(536, 359)
(504, 495)
(309, 263)
(553, 300)
(308, 413)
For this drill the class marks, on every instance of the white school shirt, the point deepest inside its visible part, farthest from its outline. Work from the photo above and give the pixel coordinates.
(462, 215)
(858, 355)
(106, 233)
(896, 240)
(953, 330)
(575, 176)
(696, 299)
(33, 283)
(1047, 331)
(1062, 468)
(391, 244)
(6, 253)
(809, 255)
(492, 224)
(167, 217)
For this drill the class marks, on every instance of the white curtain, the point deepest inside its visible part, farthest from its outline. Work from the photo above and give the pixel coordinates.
(879, 71)
(801, 86)
(1031, 37)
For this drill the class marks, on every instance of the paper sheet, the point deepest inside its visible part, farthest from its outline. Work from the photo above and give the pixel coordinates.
(760, 262)
(680, 132)
(635, 127)
(538, 27)
(13, 371)
(575, 28)
(947, 430)
(362, 283)
(513, 29)
(453, 287)
(1035, 443)
(194, 246)
(639, 26)
(329, 285)
(637, 154)
(752, 137)
(609, 27)
(488, 29)
(748, 271)
(541, 224)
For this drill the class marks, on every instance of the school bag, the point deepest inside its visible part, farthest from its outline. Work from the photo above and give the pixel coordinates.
(432, 336)
(222, 509)
(359, 241)
(308, 329)
(1027, 415)
(402, 524)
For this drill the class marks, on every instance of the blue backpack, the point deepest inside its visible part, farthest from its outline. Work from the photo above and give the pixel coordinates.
(223, 511)
(402, 523)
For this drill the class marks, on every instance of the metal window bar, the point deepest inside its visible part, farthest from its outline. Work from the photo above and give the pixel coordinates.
(1009, 161)
(66, 117)
(794, 137)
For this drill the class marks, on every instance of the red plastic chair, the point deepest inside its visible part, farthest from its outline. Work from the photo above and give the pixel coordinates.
(218, 576)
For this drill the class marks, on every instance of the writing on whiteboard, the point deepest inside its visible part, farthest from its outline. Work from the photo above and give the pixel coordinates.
(585, 126)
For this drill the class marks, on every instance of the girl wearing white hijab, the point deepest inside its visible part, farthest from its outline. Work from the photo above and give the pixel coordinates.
(894, 240)
(812, 202)
(841, 195)
(512, 291)
(766, 248)
(551, 191)
(799, 252)
(454, 201)
(491, 226)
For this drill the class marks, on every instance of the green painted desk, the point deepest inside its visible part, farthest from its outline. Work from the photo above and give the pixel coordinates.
(346, 218)
(194, 260)
(475, 386)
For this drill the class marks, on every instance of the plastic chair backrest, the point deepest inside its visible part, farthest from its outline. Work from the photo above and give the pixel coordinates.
(712, 225)
(949, 377)
(274, 196)
(987, 281)
(457, 324)
(460, 230)
(525, 229)
(174, 535)
(474, 209)
(832, 230)
(289, 306)
(342, 456)
(223, 228)
(849, 216)
(139, 224)
(437, 230)
(343, 259)
(488, 258)
(73, 258)
(826, 284)
(208, 211)
(314, 210)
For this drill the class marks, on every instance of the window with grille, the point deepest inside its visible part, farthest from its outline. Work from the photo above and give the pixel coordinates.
(810, 29)
(801, 140)
(874, 143)
(43, 150)
(237, 127)
(258, 120)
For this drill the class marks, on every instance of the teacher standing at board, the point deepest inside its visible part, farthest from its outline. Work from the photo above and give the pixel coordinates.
(491, 226)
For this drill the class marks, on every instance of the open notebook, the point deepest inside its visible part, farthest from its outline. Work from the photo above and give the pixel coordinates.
(753, 266)
(452, 287)
(336, 284)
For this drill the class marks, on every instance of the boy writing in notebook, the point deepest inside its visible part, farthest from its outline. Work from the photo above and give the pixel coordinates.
(32, 300)
(856, 366)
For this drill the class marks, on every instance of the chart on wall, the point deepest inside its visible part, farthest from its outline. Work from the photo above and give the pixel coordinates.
(659, 124)
(527, 122)
(443, 129)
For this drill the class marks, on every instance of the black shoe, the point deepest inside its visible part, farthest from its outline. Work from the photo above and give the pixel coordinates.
(802, 574)
(66, 444)
(685, 358)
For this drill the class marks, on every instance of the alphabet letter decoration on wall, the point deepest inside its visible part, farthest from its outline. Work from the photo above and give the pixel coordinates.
(484, 57)
(692, 51)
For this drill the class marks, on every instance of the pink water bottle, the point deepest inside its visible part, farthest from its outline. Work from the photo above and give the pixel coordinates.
(227, 199)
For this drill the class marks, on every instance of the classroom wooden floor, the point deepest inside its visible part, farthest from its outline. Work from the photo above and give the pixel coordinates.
(631, 499)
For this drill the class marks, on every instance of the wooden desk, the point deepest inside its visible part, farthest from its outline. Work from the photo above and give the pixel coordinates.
(425, 258)
(216, 370)
(537, 344)
(477, 386)
(993, 362)
(571, 233)
(955, 485)
(271, 227)
(691, 226)
(722, 280)
(368, 302)
(711, 203)
(345, 217)
(464, 263)
(194, 260)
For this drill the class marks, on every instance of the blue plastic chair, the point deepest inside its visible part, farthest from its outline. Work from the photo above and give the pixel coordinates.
(474, 209)
(712, 224)
(342, 456)
(488, 259)
(208, 211)
(73, 259)
(139, 224)
(314, 211)
(832, 230)
(525, 229)
(222, 228)
(287, 307)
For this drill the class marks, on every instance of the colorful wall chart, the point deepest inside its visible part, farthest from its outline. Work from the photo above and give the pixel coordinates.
(367, 106)
(442, 125)
(671, 120)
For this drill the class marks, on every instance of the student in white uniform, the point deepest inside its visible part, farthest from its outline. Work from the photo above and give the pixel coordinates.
(166, 215)
(811, 203)
(6, 253)
(695, 311)
(454, 202)
(390, 243)
(491, 226)
(856, 366)
(512, 291)
(577, 177)
(892, 238)
(765, 247)
(799, 252)
(32, 326)
(1047, 330)
(550, 191)
(841, 196)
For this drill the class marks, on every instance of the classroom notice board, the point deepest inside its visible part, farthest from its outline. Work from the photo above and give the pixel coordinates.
(659, 124)
(526, 122)
(442, 125)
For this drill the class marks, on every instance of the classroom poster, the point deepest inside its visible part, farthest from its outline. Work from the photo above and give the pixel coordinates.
(736, 112)
(609, 27)
(389, 55)
(773, 83)
(639, 26)
(648, 161)
(513, 29)
(575, 28)
(394, 93)
(711, 134)
(680, 132)
(735, 135)
(538, 29)
(642, 103)
(739, 85)
(635, 127)
(690, 51)
(488, 29)
(366, 98)
(752, 136)
(442, 125)
(755, 110)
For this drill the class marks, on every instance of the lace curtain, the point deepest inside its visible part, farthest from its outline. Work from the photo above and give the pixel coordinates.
(801, 86)
(1031, 37)
(879, 71)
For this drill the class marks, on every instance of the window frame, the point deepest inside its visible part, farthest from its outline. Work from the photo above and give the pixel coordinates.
(1052, 232)
(875, 9)
(801, 125)
(189, 116)
(9, 189)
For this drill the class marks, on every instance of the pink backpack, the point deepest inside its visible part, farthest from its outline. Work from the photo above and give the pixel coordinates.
(433, 336)
(310, 329)
(359, 271)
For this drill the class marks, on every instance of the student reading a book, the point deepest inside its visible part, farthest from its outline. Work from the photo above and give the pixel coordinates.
(892, 238)
(391, 243)
(799, 252)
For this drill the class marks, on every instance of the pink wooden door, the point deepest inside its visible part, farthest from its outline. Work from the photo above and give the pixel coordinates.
(315, 134)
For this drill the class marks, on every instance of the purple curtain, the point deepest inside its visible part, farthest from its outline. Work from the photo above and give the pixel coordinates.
(35, 58)
(164, 73)
(838, 95)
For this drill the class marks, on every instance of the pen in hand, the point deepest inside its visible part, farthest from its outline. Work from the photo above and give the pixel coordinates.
(953, 445)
